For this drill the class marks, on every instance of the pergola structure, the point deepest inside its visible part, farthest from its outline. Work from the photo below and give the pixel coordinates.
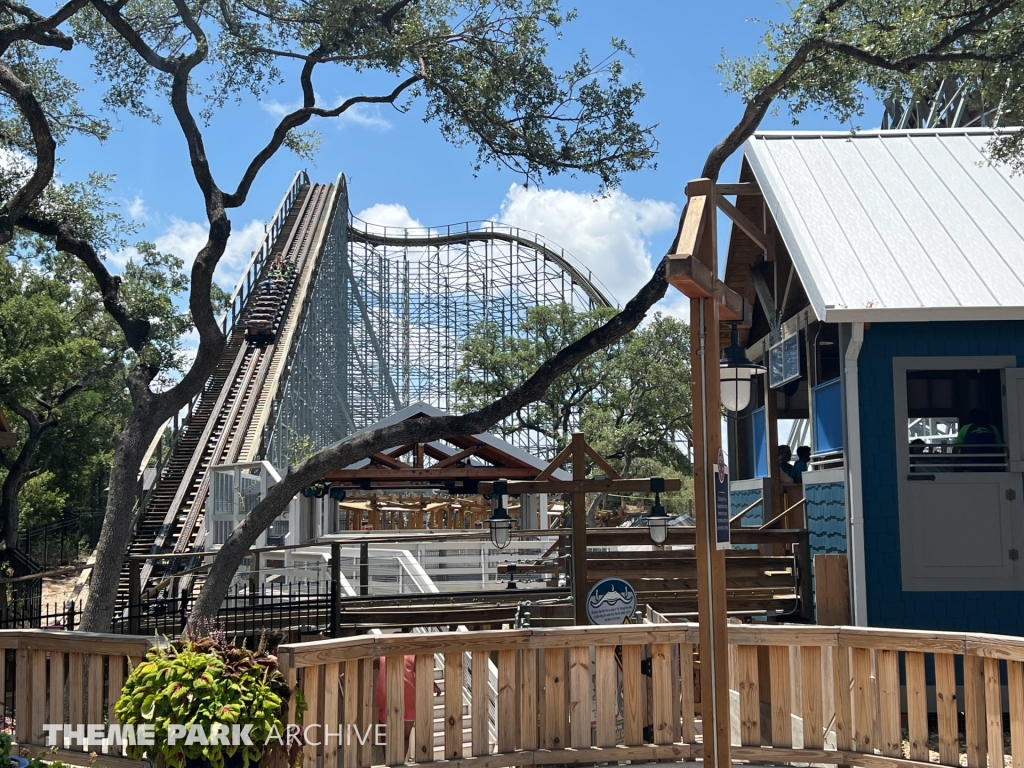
(457, 464)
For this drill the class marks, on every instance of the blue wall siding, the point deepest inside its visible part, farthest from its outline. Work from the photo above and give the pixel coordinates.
(826, 517)
(740, 500)
(888, 604)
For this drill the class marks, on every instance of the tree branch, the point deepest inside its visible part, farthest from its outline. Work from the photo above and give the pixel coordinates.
(113, 16)
(300, 117)
(40, 29)
(46, 150)
(136, 331)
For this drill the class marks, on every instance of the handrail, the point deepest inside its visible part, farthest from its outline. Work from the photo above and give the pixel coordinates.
(735, 520)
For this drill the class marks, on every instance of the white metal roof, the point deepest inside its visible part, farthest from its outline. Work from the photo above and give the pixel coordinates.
(897, 225)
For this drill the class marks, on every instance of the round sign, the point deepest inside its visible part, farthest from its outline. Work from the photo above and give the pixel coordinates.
(611, 601)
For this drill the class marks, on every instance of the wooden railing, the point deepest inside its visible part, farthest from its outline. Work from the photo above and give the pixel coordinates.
(799, 694)
(802, 694)
(64, 677)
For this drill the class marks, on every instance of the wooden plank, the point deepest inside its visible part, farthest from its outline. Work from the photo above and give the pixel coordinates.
(423, 751)
(632, 693)
(453, 705)
(686, 713)
(690, 277)
(311, 684)
(917, 706)
(22, 685)
(676, 694)
(518, 487)
(393, 675)
(663, 711)
(947, 709)
(692, 227)
(528, 734)
(841, 680)
(332, 715)
(750, 703)
(864, 701)
(96, 688)
(1015, 688)
(606, 694)
(508, 714)
(578, 542)
(811, 697)
(350, 752)
(782, 710)
(555, 699)
(579, 697)
(37, 658)
(76, 691)
(974, 711)
(368, 710)
(832, 589)
(749, 228)
(56, 713)
(739, 188)
(479, 704)
(993, 711)
(889, 703)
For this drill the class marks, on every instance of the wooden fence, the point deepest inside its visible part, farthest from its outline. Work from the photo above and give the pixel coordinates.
(64, 677)
(799, 694)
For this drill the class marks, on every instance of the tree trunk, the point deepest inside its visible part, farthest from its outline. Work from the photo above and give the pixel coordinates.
(130, 448)
(17, 474)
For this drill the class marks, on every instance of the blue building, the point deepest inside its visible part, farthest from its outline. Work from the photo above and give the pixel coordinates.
(888, 307)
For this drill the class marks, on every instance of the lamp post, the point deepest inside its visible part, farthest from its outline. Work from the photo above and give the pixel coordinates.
(736, 374)
(499, 521)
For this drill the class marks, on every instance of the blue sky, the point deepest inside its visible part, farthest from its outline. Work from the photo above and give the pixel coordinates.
(401, 171)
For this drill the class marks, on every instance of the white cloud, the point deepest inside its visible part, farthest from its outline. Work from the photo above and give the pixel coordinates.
(612, 235)
(186, 238)
(388, 215)
(137, 208)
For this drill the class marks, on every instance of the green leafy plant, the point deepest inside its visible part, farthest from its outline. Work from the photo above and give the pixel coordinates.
(203, 681)
(5, 749)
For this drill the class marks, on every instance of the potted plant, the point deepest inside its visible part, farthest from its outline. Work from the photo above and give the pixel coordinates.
(207, 683)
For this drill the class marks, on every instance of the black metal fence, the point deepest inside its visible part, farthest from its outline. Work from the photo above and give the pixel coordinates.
(62, 542)
(21, 602)
(303, 606)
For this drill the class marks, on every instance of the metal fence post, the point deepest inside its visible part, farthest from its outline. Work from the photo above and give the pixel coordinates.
(134, 597)
(364, 568)
(335, 588)
(69, 615)
(184, 608)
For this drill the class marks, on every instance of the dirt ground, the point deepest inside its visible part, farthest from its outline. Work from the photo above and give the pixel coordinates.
(57, 590)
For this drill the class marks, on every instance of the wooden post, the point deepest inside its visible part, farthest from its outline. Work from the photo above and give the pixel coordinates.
(771, 413)
(707, 440)
(579, 530)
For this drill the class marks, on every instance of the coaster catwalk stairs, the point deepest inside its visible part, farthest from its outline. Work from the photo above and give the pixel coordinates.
(226, 423)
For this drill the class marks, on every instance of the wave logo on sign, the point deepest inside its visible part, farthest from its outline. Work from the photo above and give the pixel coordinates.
(611, 601)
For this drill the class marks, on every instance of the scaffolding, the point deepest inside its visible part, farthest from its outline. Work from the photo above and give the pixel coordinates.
(390, 310)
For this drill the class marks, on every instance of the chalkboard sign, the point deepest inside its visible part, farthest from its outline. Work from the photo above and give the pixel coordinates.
(784, 361)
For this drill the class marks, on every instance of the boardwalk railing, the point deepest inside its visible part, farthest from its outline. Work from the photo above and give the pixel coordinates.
(64, 677)
(800, 694)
